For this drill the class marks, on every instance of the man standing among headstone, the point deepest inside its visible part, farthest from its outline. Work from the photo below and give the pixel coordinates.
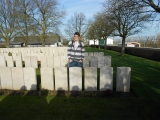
(76, 51)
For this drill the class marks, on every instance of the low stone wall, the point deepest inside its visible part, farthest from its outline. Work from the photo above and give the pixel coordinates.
(149, 53)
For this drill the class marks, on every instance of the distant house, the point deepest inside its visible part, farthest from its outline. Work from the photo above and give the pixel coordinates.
(131, 44)
(109, 41)
(34, 41)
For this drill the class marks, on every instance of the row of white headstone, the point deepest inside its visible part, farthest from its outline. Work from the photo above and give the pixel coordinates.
(38, 55)
(35, 50)
(58, 79)
(52, 61)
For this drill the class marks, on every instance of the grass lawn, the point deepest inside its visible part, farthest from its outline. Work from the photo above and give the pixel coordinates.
(145, 84)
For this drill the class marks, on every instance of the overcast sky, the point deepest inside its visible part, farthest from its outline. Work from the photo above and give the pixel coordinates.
(90, 7)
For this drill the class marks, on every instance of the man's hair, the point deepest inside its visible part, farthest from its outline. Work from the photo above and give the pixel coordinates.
(77, 33)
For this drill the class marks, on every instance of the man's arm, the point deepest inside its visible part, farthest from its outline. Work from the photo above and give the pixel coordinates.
(69, 50)
(82, 52)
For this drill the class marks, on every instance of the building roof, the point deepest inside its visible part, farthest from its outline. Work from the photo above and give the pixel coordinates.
(35, 40)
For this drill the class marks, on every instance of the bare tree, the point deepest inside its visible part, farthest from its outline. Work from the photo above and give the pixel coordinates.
(77, 23)
(47, 17)
(8, 20)
(127, 18)
(155, 4)
(101, 27)
(26, 9)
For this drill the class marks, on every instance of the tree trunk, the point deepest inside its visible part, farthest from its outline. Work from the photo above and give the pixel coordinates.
(7, 43)
(105, 42)
(26, 41)
(43, 43)
(94, 44)
(123, 46)
(99, 44)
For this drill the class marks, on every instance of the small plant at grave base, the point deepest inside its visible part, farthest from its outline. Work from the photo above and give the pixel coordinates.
(108, 92)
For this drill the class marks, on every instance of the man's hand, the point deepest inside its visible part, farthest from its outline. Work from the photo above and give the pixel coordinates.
(80, 61)
(70, 60)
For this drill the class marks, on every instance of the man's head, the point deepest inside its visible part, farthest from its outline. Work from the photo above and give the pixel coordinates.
(76, 36)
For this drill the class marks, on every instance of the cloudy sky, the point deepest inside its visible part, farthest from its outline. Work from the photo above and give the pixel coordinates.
(90, 7)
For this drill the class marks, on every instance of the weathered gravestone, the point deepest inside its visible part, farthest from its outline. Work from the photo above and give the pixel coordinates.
(39, 55)
(34, 62)
(106, 78)
(61, 54)
(17, 78)
(43, 61)
(18, 61)
(27, 60)
(14, 55)
(30, 79)
(50, 61)
(94, 61)
(86, 61)
(96, 53)
(90, 79)
(101, 54)
(123, 79)
(85, 53)
(57, 61)
(75, 79)
(61, 82)
(107, 60)
(90, 54)
(101, 64)
(2, 61)
(6, 78)
(47, 81)
(64, 61)
(9, 60)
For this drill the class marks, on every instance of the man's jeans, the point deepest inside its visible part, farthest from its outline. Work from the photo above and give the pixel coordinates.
(75, 64)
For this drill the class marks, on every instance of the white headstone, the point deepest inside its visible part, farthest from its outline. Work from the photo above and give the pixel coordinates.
(50, 61)
(9, 60)
(43, 61)
(95, 53)
(27, 60)
(18, 61)
(106, 78)
(123, 79)
(50, 54)
(5, 54)
(47, 81)
(2, 61)
(30, 78)
(107, 60)
(39, 56)
(85, 53)
(101, 54)
(6, 78)
(90, 54)
(61, 53)
(61, 82)
(57, 61)
(17, 78)
(64, 61)
(55, 54)
(90, 79)
(34, 62)
(100, 58)
(100, 64)
(94, 61)
(75, 79)
(14, 55)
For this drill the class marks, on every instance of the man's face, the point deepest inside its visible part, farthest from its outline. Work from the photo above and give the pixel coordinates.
(76, 37)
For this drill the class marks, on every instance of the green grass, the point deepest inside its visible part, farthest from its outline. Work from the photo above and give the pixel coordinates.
(145, 83)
